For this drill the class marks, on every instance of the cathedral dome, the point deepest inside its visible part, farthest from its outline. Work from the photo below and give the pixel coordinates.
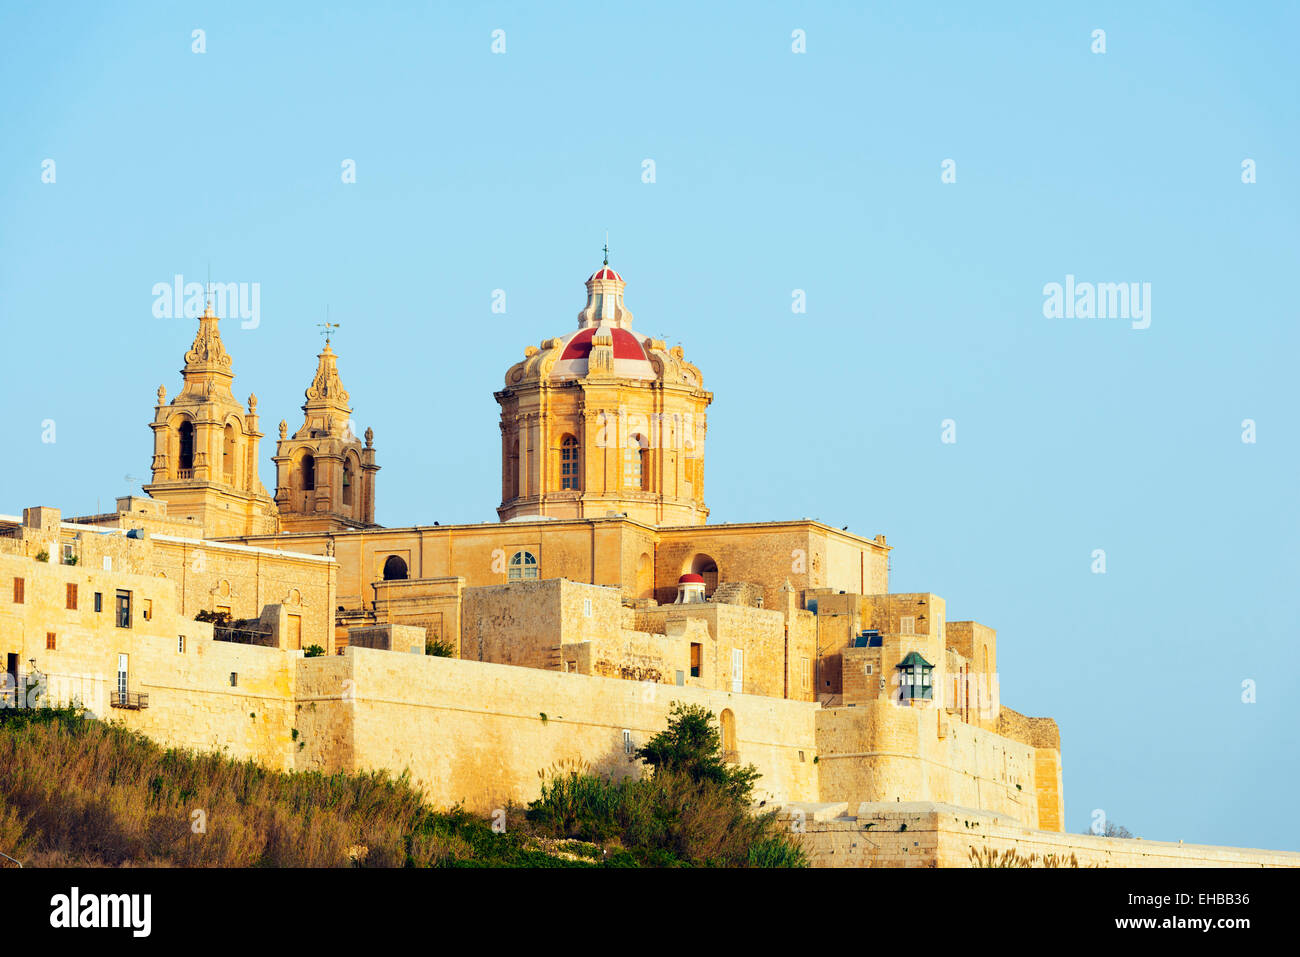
(630, 360)
(603, 420)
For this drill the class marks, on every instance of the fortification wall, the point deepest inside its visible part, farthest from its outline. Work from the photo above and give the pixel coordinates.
(478, 733)
(879, 751)
(941, 835)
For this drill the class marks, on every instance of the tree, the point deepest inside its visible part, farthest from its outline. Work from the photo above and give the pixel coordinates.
(1112, 830)
(691, 745)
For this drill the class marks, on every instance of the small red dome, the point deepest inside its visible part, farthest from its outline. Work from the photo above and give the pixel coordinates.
(605, 273)
(690, 579)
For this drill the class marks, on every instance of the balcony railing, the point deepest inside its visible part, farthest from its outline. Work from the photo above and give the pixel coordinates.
(128, 700)
(185, 473)
(241, 636)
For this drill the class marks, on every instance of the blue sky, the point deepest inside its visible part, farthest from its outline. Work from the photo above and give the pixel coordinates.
(775, 171)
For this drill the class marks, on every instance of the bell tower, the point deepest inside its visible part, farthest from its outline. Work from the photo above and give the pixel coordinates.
(205, 445)
(325, 477)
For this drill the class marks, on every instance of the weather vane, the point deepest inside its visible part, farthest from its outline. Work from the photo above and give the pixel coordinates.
(327, 328)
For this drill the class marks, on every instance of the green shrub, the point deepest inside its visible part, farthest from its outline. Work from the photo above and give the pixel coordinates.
(692, 810)
(439, 648)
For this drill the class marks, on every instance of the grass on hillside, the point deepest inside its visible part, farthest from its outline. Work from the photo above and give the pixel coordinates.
(76, 792)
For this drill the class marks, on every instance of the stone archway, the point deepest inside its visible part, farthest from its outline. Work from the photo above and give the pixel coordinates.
(704, 566)
(394, 568)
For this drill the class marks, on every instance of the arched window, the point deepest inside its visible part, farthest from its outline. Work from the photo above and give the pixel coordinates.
(707, 568)
(347, 481)
(228, 452)
(569, 463)
(394, 569)
(523, 567)
(727, 721)
(185, 461)
(635, 462)
(308, 473)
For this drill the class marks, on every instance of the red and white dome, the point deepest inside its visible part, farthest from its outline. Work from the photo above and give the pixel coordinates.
(604, 322)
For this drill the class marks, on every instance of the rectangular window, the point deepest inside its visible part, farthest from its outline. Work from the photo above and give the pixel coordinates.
(234, 679)
(70, 599)
(69, 553)
(871, 669)
(20, 587)
(49, 641)
(124, 609)
(907, 625)
(146, 609)
(737, 670)
(180, 644)
(108, 563)
(697, 653)
(805, 678)
(99, 601)
(627, 742)
(586, 607)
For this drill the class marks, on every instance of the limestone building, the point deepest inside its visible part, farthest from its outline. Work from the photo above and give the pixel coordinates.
(599, 598)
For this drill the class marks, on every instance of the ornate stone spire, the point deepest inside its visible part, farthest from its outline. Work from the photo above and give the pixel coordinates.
(207, 364)
(327, 406)
(324, 478)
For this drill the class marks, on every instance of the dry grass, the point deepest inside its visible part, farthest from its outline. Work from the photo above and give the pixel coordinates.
(81, 793)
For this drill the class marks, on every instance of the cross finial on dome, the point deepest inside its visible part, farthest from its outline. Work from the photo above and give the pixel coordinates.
(606, 249)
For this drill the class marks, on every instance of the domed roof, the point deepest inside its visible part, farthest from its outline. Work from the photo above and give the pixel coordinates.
(626, 345)
(604, 344)
(630, 359)
(690, 579)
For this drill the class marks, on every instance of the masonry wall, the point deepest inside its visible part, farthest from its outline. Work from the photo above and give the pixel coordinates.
(211, 575)
(941, 836)
(758, 633)
(806, 554)
(880, 751)
(524, 623)
(479, 733)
